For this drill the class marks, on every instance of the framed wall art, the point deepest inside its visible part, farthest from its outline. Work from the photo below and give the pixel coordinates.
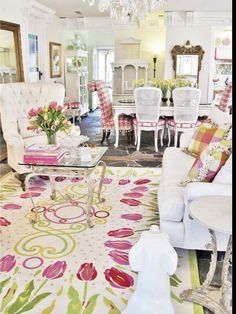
(55, 60)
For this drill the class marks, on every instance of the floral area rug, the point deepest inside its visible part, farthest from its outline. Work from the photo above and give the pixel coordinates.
(60, 266)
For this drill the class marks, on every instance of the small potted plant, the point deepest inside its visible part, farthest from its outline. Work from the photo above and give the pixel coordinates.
(49, 119)
(172, 86)
(164, 88)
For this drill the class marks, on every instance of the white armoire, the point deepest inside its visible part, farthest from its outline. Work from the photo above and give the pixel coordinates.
(128, 67)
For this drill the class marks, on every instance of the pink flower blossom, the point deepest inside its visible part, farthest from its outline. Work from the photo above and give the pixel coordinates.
(107, 181)
(27, 195)
(7, 263)
(11, 206)
(121, 233)
(77, 179)
(132, 216)
(87, 272)
(55, 270)
(140, 188)
(142, 181)
(4, 222)
(53, 105)
(130, 201)
(124, 181)
(119, 257)
(118, 244)
(32, 113)
(133, 194)
(118, 278)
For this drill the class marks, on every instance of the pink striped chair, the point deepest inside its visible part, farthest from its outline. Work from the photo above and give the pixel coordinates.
(125, 121)
(226, 98)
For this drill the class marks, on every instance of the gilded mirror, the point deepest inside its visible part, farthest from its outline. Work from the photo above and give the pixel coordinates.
(187, 61)
(11, 65)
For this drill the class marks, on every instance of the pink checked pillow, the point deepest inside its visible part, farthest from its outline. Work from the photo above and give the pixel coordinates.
(209, 162)
(206, 133)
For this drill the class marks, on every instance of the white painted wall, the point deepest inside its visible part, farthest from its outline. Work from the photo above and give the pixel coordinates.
(198, 35)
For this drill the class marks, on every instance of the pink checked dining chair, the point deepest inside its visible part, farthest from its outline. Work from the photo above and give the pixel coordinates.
(186, 104)
(226, 98)
(125, 121)
(147, 102)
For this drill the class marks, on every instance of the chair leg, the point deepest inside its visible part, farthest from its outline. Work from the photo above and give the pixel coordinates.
(169, 136)
(139, 139)
(162, 135)
(176, 138)
(155, 140)
(21, 178)
(135, 135)
(103, 135)
(108, 134)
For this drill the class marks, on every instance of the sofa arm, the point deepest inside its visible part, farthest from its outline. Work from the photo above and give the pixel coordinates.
(14, 140)
(185, 139)
(200, 189)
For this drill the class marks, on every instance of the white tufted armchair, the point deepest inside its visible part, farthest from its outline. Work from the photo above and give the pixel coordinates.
(16, 99)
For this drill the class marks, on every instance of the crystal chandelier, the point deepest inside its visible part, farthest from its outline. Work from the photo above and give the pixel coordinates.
(128, 10)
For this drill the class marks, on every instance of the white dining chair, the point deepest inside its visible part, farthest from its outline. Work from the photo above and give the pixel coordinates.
(186, 105)
(147, 103)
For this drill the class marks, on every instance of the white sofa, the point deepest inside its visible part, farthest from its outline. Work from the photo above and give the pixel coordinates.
(174, 200)
(16, 99)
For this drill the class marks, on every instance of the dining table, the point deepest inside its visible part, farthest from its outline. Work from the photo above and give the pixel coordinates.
(166, 110)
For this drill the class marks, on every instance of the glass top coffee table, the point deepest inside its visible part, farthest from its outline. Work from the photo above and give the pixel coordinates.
(70, 165)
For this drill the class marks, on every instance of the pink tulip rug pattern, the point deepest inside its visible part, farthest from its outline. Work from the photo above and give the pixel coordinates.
(60, 266)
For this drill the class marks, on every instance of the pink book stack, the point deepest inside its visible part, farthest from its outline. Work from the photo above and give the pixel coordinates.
(43, 154)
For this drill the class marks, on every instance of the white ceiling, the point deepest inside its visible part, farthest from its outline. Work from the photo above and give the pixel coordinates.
(67, 8)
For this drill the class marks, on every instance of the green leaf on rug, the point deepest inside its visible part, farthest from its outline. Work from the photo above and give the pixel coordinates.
(113, 308)
(91, 304)
(109, 171)
(29, 306)
(124, 300)
(75, 305)
(177, 299)
(9, 295)
(59, 292)
(4, 283)
(22, 298)
(50, 308)
(175, 277)
(37, 272)
(110, 290)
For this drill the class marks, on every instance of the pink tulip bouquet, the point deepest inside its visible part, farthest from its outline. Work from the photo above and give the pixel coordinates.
(49, 119)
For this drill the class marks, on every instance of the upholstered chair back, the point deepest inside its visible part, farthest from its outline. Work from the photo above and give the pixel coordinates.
(16, 99)
(186, 104)
(147, 102)
(104, 99)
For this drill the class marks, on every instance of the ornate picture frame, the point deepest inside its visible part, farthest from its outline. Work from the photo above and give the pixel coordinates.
(55, 60)
(184, 50)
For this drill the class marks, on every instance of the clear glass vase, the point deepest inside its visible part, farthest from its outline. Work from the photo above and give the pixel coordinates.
(51, 138)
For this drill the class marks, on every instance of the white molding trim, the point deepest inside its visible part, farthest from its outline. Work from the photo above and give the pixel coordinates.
(198, 18)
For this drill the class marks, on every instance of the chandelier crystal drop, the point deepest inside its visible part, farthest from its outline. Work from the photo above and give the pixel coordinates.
(128, 10)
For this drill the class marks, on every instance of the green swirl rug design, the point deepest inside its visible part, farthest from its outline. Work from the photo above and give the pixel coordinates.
(60, 266)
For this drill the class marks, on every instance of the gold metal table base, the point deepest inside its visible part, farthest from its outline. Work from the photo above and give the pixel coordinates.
(52, 172)
(217, 300)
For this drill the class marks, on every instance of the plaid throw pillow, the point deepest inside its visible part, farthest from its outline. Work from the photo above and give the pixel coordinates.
(205, 134)
(209, 162)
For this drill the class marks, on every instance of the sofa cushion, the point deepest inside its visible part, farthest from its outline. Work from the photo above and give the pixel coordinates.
(209, 162)
(224, 176)
(204, 135)
(175, 167)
